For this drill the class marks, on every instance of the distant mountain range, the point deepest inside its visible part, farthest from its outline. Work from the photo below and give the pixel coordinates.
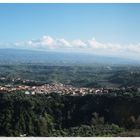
(10, 56)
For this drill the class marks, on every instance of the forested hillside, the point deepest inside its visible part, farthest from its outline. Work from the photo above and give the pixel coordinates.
(55, 115)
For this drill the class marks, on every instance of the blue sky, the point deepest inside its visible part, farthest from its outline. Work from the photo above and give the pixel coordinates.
(106, 24)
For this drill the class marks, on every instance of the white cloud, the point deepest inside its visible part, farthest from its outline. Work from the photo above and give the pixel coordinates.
(63, 42)
(90, 46)
(47, 41)
(103, 46)
(78, 43)
(133, 48)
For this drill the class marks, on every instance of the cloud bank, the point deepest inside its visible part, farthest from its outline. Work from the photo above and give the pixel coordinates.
(48, 43)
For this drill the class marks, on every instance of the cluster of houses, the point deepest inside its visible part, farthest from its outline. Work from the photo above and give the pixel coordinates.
(65, 89)
(54, 88)
(50, 88)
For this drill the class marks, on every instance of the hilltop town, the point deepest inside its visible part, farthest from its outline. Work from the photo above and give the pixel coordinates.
(60, 88)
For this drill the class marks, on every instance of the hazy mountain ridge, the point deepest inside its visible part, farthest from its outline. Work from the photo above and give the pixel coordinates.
(29, 56)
